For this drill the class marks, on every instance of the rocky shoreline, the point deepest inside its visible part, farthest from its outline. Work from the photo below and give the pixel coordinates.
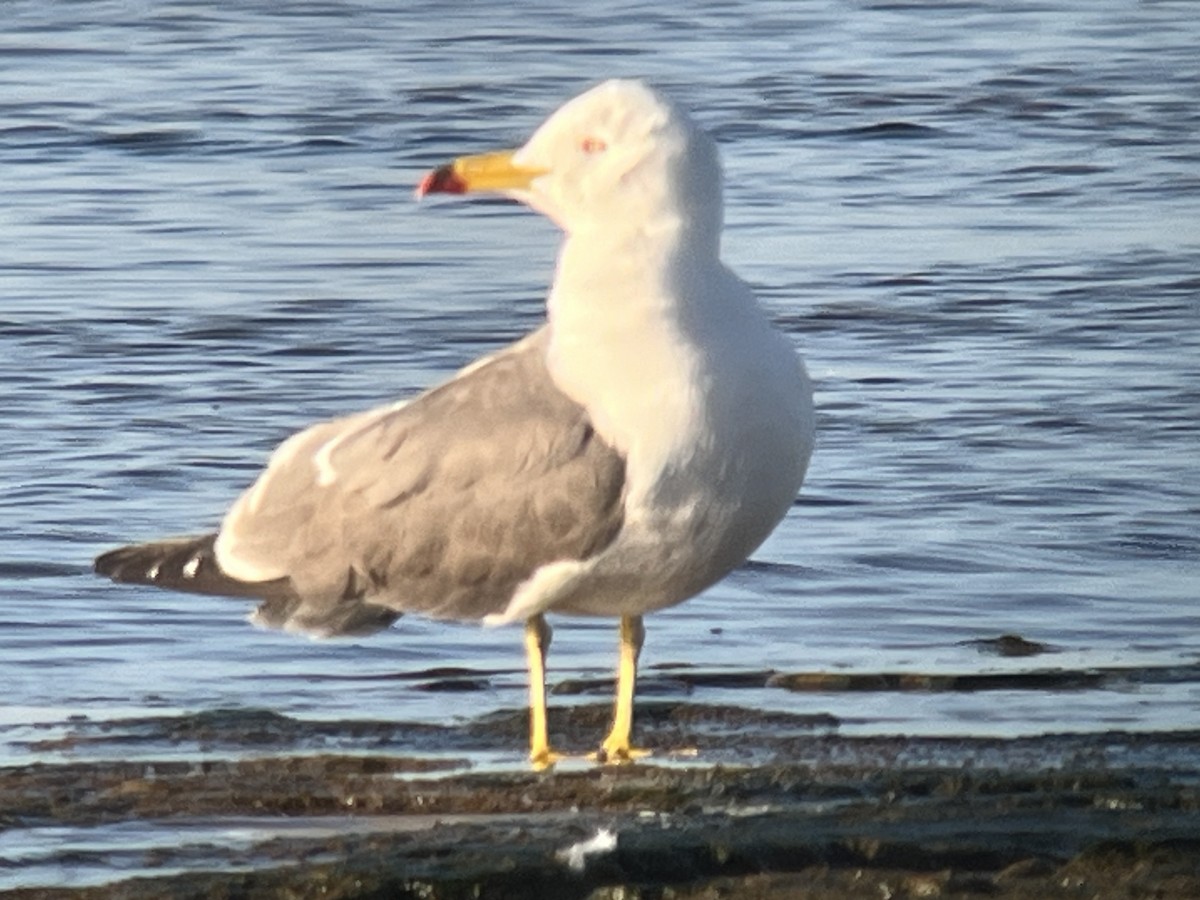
(769, 806)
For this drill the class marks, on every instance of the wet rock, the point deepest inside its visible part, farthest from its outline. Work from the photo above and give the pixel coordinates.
(813, 814)
(1009, 645)
(1042, 680)
(453, 685)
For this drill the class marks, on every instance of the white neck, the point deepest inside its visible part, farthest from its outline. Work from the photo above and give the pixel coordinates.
(622, 333)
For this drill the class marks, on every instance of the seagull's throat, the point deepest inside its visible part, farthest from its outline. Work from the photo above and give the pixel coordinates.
(607, 277)
(620, 271)
(618, 341)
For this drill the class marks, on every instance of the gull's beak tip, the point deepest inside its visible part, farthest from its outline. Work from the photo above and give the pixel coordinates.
(442, 180)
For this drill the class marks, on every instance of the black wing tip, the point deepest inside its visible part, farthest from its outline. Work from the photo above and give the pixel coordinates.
(187, 564)
(149, 563)
(110, 562)
(116, 564)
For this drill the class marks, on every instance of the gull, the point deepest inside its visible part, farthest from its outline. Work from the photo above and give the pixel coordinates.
(618, 460)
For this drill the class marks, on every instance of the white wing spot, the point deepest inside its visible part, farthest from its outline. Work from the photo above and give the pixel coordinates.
(152, 572)
(191, 567)
(326, 473)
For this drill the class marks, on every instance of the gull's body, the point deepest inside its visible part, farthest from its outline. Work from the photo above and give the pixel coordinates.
(616, 461)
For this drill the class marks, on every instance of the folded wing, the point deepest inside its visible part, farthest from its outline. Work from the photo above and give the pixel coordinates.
(443, 505)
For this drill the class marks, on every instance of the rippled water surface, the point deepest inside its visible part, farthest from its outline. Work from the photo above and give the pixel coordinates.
(980, 222)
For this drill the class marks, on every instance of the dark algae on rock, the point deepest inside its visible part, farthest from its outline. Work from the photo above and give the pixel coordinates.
(770, 806)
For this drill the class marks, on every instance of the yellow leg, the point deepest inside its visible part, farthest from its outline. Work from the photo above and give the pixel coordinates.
(616, 746)
(537, 642)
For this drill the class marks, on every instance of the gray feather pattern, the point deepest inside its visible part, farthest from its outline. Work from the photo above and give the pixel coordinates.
(443, 506)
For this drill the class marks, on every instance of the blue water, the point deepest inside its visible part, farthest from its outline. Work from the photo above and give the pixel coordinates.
(980, 222)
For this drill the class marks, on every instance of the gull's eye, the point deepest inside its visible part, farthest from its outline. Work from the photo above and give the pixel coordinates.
(592, 145)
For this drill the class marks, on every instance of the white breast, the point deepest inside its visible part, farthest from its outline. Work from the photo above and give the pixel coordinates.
(713, 412)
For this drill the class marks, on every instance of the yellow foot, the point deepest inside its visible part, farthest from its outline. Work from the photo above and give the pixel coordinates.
(617, 754)
(545, 759)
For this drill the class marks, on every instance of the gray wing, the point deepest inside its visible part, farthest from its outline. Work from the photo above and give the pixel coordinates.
(442, 506)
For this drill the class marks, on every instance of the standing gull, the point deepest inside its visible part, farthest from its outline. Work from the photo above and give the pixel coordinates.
(618, 460)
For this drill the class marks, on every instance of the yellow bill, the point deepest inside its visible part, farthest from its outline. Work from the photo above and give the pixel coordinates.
(483, 172)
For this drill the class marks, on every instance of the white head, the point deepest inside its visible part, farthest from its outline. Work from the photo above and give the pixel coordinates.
(619, 158)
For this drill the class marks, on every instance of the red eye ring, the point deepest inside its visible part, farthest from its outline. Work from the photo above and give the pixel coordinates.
(592, 145)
